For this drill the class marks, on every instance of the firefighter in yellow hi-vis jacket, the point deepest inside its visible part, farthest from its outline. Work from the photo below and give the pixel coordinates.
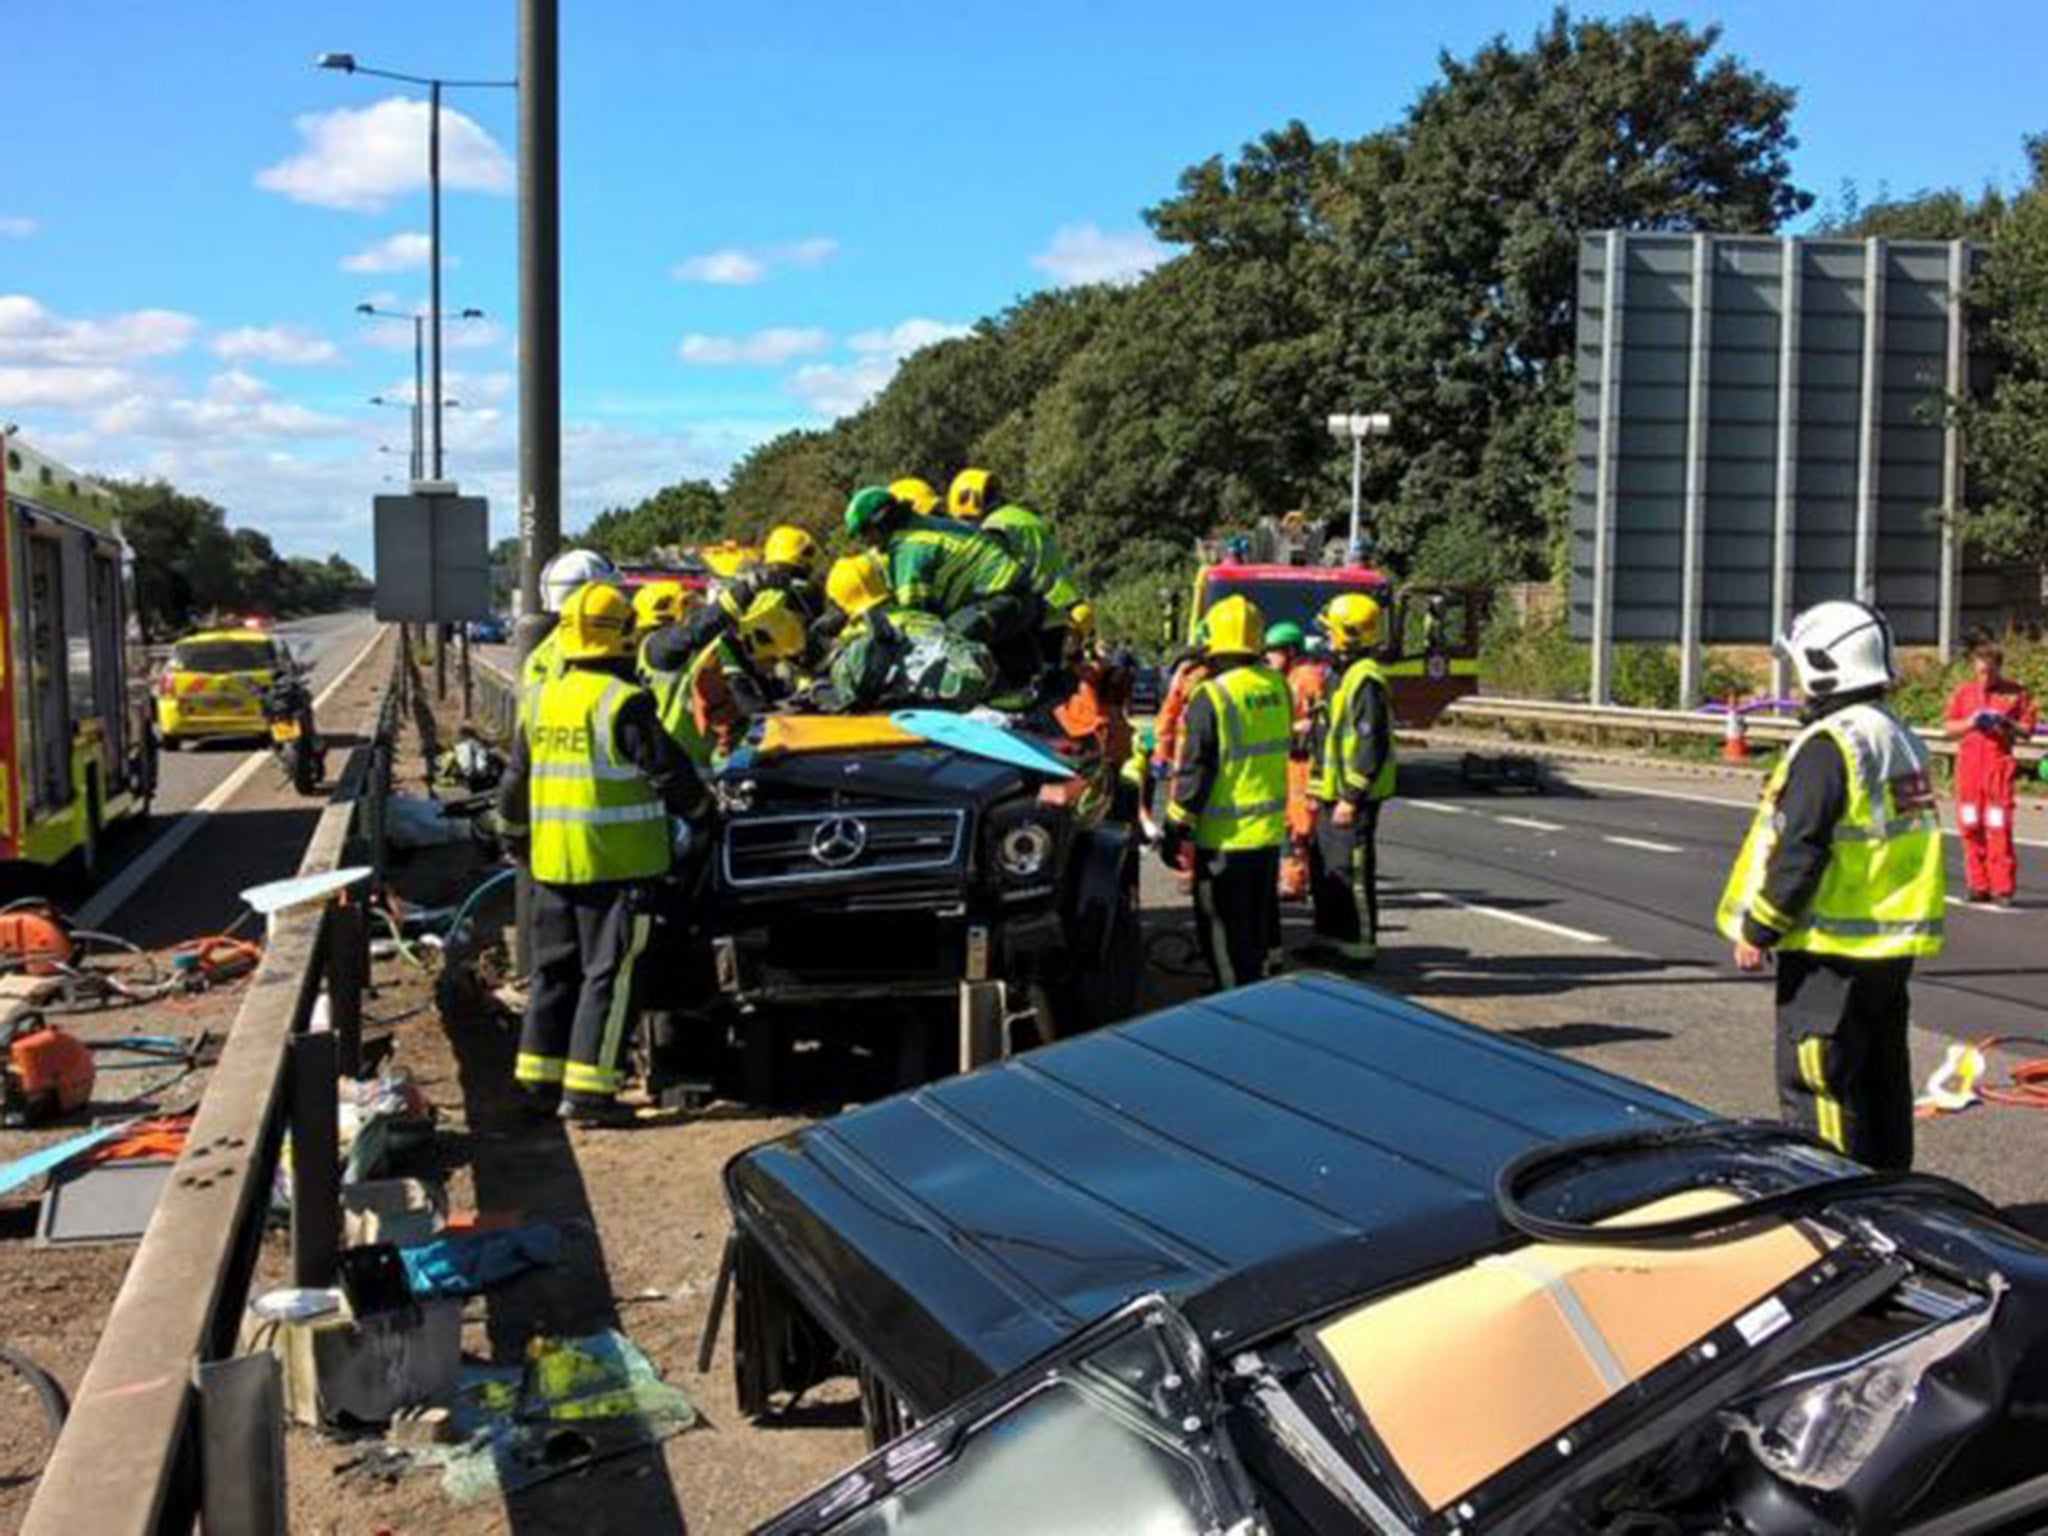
(1841, 878)
(586, 801)
(1230, 795)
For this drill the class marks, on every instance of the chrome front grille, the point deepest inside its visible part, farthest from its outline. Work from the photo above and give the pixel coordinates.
(839, 845)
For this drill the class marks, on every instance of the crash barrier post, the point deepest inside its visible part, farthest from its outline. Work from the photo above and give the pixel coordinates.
(316, 1157)
(500, 702)
(153, 1433)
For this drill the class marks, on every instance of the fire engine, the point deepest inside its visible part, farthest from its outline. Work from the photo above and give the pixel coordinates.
(76, 753)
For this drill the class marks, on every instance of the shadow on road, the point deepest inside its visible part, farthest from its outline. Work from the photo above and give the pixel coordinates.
(526, 1168)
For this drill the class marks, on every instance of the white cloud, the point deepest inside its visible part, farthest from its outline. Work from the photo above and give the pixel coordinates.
(905, 337)
(395, 253)
(30, 333)
(15, 226)
(35, 388)
(1085, 253)
(739, 265)
(235, 406)
(770, 348)
(839, 389)
(284, 344)
(362, 157)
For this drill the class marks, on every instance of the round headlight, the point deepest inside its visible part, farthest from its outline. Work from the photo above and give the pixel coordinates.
(1024, 850)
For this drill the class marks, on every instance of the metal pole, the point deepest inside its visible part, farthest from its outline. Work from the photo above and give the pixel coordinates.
(419, 399)
(1784, 509)
(1692, 579)
(1952, 452)
(1870, 420)
(434, 256)
(540, 352)
(1604, 486)
(1357, 484)
(540, 359)
(311, 1060)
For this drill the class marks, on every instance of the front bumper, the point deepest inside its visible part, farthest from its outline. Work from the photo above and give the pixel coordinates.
(880, 949)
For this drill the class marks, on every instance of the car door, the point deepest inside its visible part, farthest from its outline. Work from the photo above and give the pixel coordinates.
(1113, 1433)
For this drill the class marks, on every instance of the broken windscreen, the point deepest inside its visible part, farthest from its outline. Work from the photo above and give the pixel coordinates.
(1460, 1377)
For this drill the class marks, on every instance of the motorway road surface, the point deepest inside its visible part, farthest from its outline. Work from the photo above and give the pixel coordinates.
(197, 783)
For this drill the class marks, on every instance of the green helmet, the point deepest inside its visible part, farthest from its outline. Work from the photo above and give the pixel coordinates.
(1284, 636)
(871, 506)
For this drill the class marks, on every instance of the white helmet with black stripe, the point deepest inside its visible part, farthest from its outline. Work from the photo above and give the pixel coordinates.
(568, 571)
(1840, 647)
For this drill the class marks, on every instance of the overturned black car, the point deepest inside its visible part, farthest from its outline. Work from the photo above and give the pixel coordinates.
(1308, 1258)
(863, 876)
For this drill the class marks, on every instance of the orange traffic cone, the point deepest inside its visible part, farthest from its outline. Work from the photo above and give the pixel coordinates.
(1735, 736)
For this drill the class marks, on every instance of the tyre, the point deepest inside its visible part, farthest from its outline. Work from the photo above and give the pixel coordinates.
(1088, 996)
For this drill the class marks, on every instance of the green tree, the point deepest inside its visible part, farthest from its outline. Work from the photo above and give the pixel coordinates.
(688, 512)
(2007, 431)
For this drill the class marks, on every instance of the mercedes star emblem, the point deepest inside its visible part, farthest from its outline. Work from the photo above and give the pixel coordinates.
(838, 841)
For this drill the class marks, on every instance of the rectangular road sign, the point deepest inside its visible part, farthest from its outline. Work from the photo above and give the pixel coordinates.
(433, 557)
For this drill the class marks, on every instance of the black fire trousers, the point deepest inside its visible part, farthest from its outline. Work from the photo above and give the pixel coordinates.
(587, 945)
(1844, 1071)
(1237, 913)
(1344, 886)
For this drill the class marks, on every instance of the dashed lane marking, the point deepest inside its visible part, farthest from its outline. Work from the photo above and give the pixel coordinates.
(115, 894)
(1643, 843)
(1436, 805)
(1530, 822)
(1556, 930)
(1736, 805)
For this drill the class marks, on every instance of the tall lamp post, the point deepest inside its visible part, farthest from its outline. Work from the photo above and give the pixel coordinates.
(1356, 427)
(419, 392)
(347, 64)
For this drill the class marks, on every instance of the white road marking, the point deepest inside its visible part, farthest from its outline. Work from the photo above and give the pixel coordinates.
(1643, 843)
(115, 893)
(1436, 805)
(1530, 822)
(1982, 906)
(1557, 930)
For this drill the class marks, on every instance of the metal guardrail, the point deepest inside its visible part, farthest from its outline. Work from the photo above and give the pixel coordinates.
(129, 1461)
(1600, 721)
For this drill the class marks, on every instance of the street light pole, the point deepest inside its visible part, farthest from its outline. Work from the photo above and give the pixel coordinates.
(1358, 426)
(434, 251)
(540, 325)
(419, 406)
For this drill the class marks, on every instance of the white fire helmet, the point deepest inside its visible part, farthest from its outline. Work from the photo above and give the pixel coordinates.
(570, 570)
(1840, 647)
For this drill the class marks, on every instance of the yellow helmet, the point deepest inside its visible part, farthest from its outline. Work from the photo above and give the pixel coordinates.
(1233, 627)
(917, 494)
(596, 623)
(789, 545)
(656, 603)
(771, 629)
(972, 492)
(1081, 621)
(1352, 621)
(857, 583)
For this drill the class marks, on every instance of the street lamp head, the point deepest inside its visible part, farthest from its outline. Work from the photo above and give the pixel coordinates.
(345, 62)
(1352, 425)
(471, 314)
(366, 309)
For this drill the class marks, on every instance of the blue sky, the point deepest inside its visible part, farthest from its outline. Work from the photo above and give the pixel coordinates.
(764, 206)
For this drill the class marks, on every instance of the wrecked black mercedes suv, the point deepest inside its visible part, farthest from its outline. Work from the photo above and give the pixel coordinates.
(865, 875)
(1307, 1258)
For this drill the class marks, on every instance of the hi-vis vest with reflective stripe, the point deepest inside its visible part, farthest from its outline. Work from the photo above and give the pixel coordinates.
(1254, 722)
(592, 815)
(1882, 894)
(1338, 776)
(675, 697)
(543, 665)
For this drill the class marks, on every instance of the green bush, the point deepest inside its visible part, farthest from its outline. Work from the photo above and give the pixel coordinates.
(1534, 660)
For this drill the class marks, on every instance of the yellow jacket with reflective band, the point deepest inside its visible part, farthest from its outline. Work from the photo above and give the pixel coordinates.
(592, 815)
(1254, 722)
(543, 664)
(1882, 894)
(675, 696)
(1338, 775)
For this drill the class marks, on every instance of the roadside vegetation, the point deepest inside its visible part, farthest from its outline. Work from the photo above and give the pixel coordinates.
(189, 565)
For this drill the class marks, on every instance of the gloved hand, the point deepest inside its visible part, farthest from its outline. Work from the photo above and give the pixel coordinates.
(1173, 844)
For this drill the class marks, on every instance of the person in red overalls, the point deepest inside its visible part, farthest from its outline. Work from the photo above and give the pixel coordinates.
(1986, 718)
